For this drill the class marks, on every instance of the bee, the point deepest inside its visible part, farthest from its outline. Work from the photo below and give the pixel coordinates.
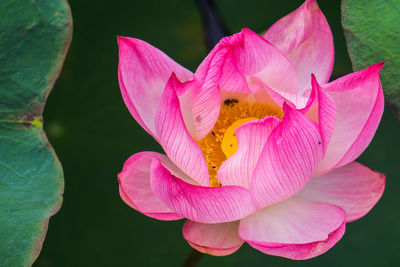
(231, 102)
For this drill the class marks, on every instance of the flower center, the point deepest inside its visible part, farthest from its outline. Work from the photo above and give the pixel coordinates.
(221, 142)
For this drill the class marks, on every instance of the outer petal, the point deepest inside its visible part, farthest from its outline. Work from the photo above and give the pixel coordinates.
(367, 132)
(359, 104)
(305, 38)
(296, 228)
(353, 187)
(233, 61)
(135, 188)
(143, 72)
(219, 239)
(175, 138)
(252, 136)
(198, 203)
(288, 159)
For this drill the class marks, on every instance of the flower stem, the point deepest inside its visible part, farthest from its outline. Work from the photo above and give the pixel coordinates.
(192, 258)
(214, 27)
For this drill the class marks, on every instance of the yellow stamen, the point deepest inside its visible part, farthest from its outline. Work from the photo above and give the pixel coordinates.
(216, 146)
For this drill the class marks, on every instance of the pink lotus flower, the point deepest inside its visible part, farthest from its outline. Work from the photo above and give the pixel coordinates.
(256, 150)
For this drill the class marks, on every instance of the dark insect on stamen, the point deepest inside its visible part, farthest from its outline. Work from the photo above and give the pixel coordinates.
(231, 102)
(213, 133)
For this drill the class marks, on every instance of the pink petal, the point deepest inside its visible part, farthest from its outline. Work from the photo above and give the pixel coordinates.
(353, 187)
(135, 188)
(252, 136)
(305, 38)
(359, 107)
(322, 109)
(295, 228)
(184, 93)
(245, 54)
(288, 159)
(367, 133)
(198, 203)
(205, 106)
(175, 138)
(143, 72)
(205, 92)
(262, 60)
(265, 94)
(233, 61)
(219, 239)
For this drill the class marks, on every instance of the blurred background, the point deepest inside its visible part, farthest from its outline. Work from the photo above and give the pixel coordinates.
(93, 134)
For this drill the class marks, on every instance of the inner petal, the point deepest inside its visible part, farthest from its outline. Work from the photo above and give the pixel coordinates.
(221, 142)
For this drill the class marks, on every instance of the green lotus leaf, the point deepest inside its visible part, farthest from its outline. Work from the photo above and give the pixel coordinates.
(372, 30)
(34, 38)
